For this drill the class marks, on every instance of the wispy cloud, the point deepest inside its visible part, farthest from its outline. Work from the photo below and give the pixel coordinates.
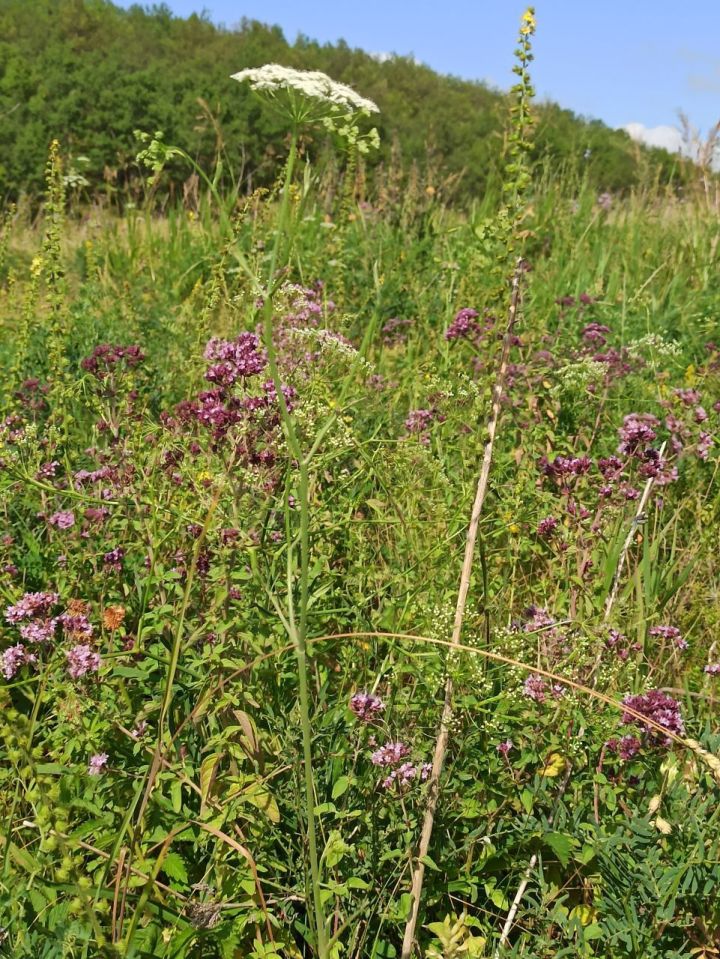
(665, 136)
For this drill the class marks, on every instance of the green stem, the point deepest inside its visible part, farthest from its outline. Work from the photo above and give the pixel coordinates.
(297, 627)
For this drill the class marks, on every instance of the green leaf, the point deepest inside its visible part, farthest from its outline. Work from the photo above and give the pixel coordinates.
(341, 787)
(561, 845)
(174, 867)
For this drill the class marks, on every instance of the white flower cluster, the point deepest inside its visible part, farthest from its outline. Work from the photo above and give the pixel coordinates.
(653, 343)
(312, 84)
(579, 375)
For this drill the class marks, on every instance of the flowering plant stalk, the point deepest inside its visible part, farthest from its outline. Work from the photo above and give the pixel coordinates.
(510, 217)
(304, 98)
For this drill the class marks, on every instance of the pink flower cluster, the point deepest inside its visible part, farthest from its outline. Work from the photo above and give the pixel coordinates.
(671, 633)
(366, 706)
(661, 709)
(33, 614)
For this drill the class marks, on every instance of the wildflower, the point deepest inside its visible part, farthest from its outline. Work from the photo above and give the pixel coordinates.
(704, 445)
(105, 357)
(712, 669)
(311, 84)
(659, 707)
(391, 754)
(535, 688)
(30, 605)
(627, 747)
(13, 658)
(638, 430)
(464, 325)
(366, 706)
(39, 631)
(96, 514)
(63, 519)
(547, 526)
(394, 331)
(672, 633)
(82, 659)
(76, 625)
(419, 420)
(234, 359)
(605, 201)
(687, 397)
(504, 747)
(98, 764)
(113, 558)
(140, 728)
(113, 617)
(47, 470)
(595, 332)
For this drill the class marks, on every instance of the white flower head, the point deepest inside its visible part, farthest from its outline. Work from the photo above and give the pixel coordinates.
(311, 84)
(309, 96)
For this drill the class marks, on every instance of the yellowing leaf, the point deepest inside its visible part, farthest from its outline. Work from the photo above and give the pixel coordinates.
(554, 765)
(584, 913)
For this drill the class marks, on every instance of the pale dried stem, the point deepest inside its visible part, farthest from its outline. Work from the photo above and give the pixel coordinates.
(441, 743)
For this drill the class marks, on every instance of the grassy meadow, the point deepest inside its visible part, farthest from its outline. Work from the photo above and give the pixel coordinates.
(360, 570)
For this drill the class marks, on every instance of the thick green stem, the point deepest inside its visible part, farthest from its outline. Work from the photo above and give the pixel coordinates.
(297, 625)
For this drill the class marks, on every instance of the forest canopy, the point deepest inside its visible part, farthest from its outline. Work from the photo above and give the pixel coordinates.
(90, 74)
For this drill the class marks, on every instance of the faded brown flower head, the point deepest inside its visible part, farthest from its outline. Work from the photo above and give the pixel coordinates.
(78, 607)
(113, 617)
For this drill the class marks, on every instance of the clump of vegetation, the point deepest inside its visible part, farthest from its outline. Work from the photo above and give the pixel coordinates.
(359, 564)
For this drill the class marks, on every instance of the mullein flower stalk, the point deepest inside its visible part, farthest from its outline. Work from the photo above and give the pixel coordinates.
(508, 230)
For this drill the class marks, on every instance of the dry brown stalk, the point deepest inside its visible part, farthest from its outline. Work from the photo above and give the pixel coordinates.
(418, 873)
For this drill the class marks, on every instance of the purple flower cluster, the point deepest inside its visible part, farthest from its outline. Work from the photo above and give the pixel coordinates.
(626, 747)
(405, 774)
(661, 709)
(98, 764)
(394, 331)
(31, 605)
(546, 527)
(418, 421)
(234, 360)
(82, 659)
(620, 645)
(564, 468)
(391, 754)
(671, 633)
(464, 325)
(637, 432)
(63, 519)
(595, 333)
(712, 669)
(33, 615)
(106, 357)
(13, 658)
(366, 706)
(113, 559)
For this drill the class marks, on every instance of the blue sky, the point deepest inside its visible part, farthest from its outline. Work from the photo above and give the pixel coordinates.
(623, 61)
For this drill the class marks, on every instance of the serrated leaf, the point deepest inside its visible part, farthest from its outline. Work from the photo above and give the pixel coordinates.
(174, 867)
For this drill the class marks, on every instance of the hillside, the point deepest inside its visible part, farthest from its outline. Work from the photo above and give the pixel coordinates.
(90, 74)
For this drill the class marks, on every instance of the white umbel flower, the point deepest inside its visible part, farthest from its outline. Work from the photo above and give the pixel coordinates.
(311, 84)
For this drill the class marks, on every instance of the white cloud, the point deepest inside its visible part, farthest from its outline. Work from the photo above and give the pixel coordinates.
(665, 136)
